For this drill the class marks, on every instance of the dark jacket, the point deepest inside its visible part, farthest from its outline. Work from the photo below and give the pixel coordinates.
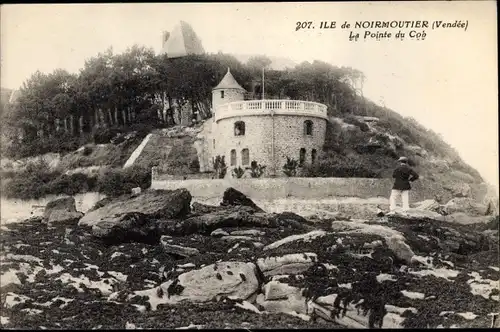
(403, 175)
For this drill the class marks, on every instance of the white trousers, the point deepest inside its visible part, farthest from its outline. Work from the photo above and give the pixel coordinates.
(405, 197)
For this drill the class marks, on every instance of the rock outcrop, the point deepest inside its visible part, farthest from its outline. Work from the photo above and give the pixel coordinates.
(61, 210)
(247, 268)
(234, 197)
(154, 204)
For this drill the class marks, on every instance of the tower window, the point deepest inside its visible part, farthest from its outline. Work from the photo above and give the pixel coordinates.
(245, 157)
(308, 127)
(239, 128)
(302, 158)
(313, 156)
(222, 94)
(214, 143)
(233, 157)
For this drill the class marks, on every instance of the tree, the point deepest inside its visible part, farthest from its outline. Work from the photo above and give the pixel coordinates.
(258, 62)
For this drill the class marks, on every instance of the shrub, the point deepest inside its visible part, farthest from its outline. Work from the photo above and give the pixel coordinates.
(105, 135)
(142, 129)
(72, 184)
(220, 166)
(238, 172)
(493, 223)
(290, 167)
(256, 170)
(87, 150)
(34, 181)
(194, 165)
(354, 121)
(116, 182)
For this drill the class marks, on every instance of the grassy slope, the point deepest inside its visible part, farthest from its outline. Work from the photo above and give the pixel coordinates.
(346, 146)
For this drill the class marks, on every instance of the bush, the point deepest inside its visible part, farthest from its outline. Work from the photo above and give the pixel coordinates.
(194, 165)
(72, 184)
(354, 121)
(116, 182)
(142, 129)
(238, 172)
(493, 223)
(290, 167)
(256, 170)
(333, 165)
(105, 135)
(220, 166)
(33, 182)
(87, 150)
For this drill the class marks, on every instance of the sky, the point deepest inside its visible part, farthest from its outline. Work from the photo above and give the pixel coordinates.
(447, 82)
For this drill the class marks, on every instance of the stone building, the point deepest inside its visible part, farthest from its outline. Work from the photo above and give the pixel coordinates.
(265, 131)
(181, 42)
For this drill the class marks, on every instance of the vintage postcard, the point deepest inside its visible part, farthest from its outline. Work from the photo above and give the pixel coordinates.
(249, 165)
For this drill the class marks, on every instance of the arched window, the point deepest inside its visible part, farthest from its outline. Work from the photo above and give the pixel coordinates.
(245, 157)
(233, 157)
(302, 158)
(308, 127)
(222, 94)
(313, 156)
(239, 128)
(214, 143)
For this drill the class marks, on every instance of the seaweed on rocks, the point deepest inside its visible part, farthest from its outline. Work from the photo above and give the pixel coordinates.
(175, 288)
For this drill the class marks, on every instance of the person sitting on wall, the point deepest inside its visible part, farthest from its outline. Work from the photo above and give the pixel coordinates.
(402, 175)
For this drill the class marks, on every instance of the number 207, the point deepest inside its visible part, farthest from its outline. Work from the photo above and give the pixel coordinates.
(303, 25)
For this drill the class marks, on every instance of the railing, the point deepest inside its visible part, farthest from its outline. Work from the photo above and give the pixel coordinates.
(256, 107)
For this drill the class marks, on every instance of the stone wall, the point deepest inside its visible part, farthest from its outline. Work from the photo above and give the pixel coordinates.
(306, 188)
(289, 138)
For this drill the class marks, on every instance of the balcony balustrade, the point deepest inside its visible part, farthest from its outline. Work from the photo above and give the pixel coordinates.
(264, 107)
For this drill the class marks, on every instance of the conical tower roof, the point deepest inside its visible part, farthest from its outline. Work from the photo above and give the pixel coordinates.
(228, 82)
(181, 42)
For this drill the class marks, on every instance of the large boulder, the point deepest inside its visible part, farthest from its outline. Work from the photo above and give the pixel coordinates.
(465, 205)
(236, 280)
(61, 210)
(153, 204)
(428, 204)
(416, 214)
(282, 298)
(235, 197)
(234, 216)
(206, 223)
(126, 227)
(200, 208)
(169, 247)
(287, 264)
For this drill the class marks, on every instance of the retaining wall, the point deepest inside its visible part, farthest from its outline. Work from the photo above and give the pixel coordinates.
(274, 188)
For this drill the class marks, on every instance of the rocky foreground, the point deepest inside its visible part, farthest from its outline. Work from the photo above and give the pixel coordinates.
(154, 260)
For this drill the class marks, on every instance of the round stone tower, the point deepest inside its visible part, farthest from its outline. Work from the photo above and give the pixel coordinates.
(266, 131)
(227, 91)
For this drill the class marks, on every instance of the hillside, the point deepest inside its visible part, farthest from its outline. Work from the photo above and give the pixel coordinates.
(363, 139)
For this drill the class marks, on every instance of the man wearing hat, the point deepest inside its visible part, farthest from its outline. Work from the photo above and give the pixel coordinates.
(402, 175)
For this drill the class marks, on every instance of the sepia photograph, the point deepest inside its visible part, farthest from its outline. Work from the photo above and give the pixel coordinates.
(255, 165)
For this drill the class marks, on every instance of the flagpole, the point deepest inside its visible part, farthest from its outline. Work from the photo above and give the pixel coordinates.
(262, 82)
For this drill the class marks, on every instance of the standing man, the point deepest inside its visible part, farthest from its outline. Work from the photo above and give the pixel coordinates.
(402, 175)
